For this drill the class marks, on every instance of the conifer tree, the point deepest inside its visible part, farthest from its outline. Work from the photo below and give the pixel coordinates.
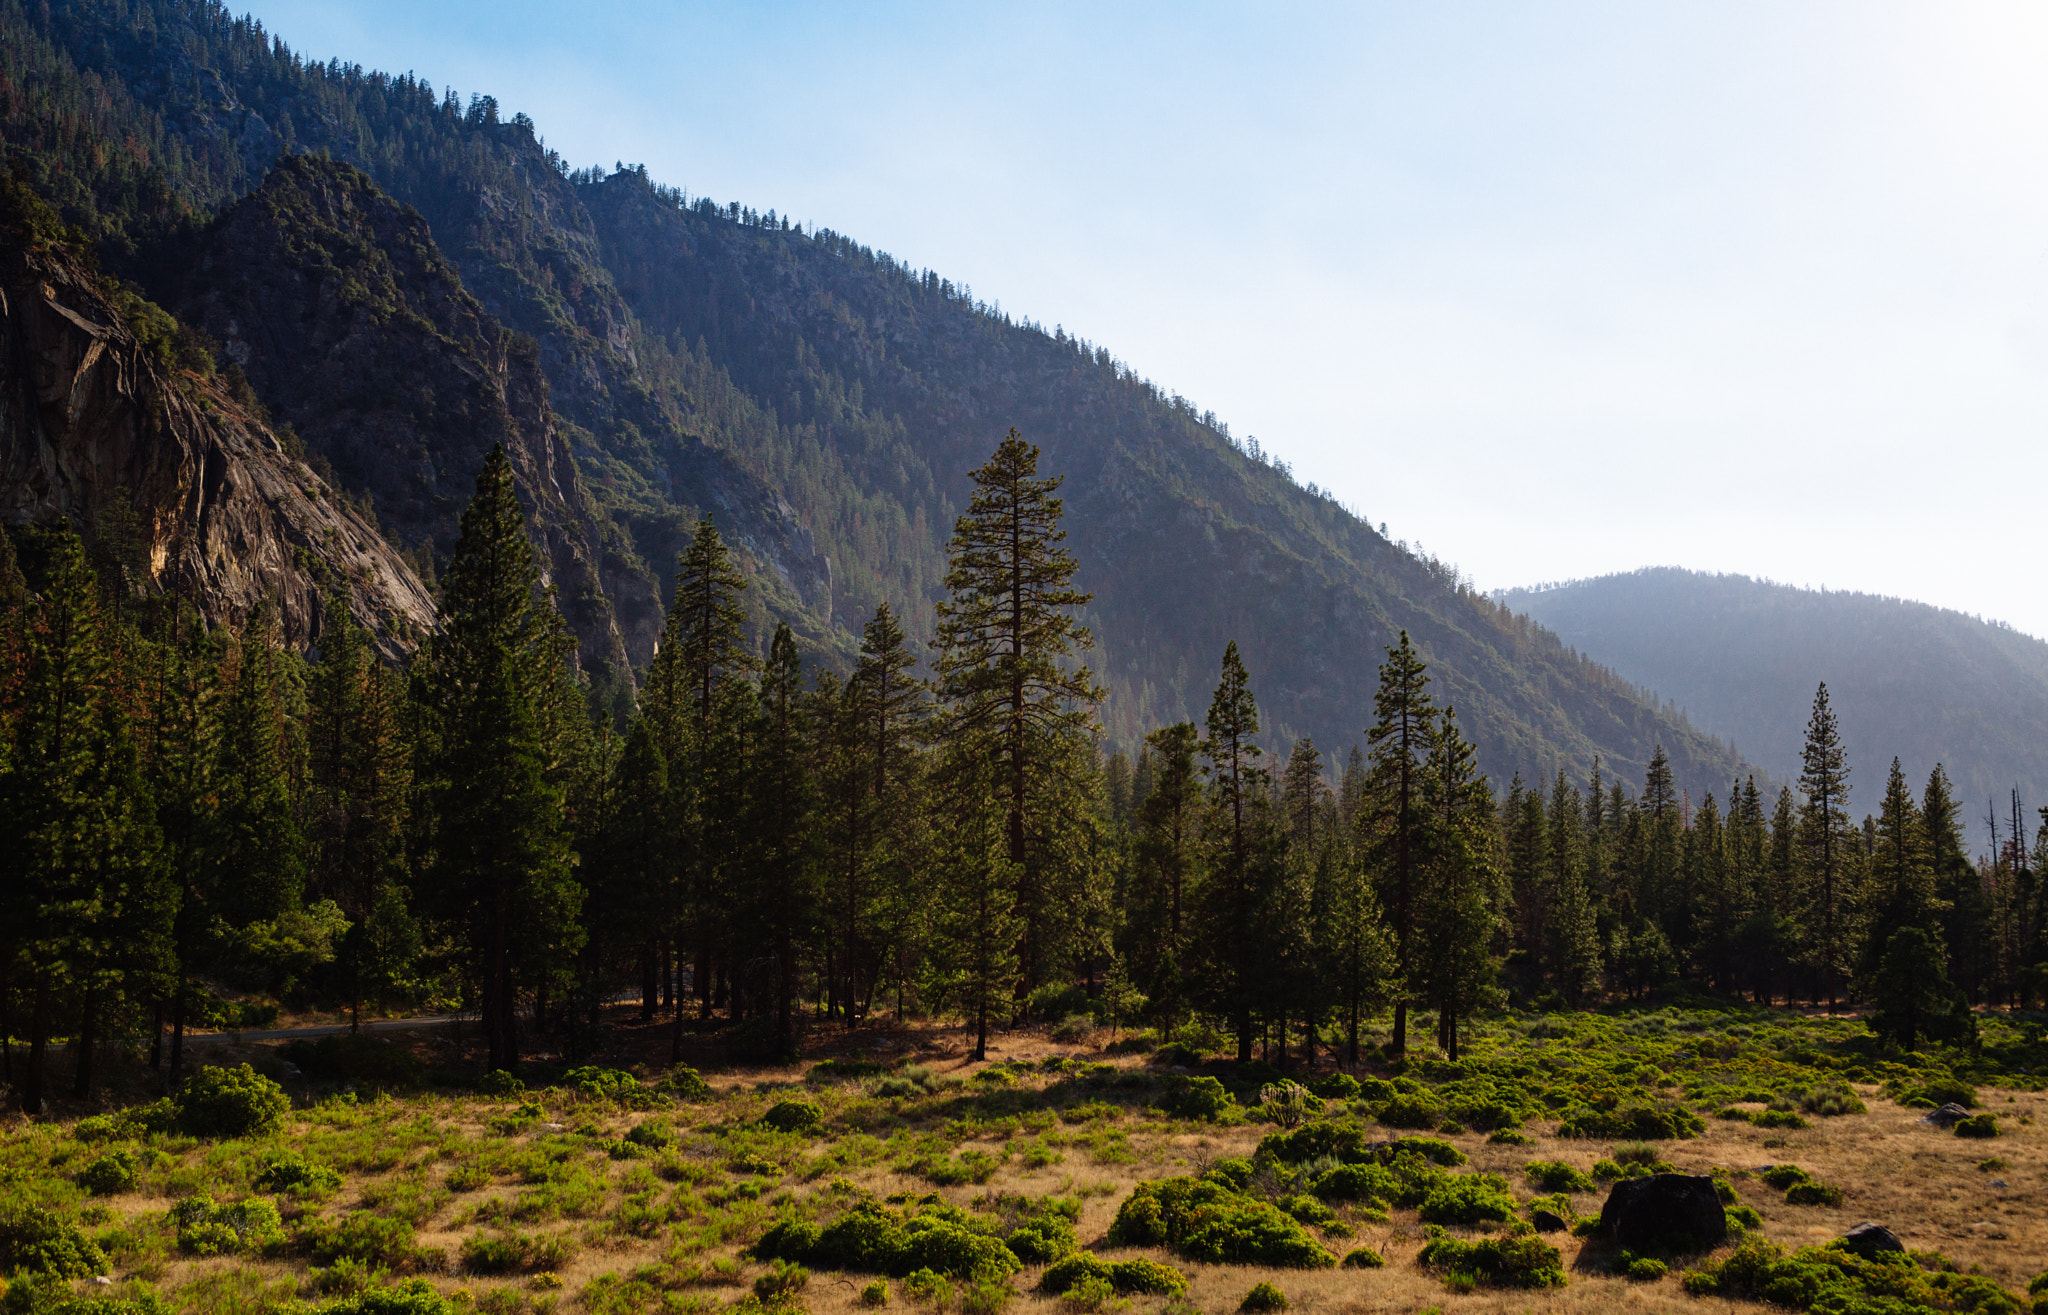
(1912, 993)
(1393, 823)
(1166, 889)
(1530, 884)
(976, 925)
(1457, 919)
(1958, 887)
(783, 885)
(1574, 926)
(1237, 787)
(1006, 635)
(257, 847)
(1901, 883)
(77, 830)
(1825, 847)
(501, 877)
(184, 749)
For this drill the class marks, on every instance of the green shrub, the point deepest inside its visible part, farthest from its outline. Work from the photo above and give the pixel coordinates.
(1831, 1099)
(1042, 1240)
(1233, 1171)
(1147, 1276)
(683, 1083)
(927, 1288)
(1420, 1110)
(841, 1070)
(1742, 1216)
(1514, 1262)
(1208, 1222)
(602, 1083)
(1977, 1125)
(1556, 1176)
(367, 1060)
(1364, 1258)
(947, 1248)
(1646, 1269)
(1314, 1141)
(1832, 1278)
(799, 1116)
(1071, 1270)
(1434, 1149)
(36, 1241)
(1780, 1119)
(1306, 1209)
(513, 1252)
(1510, 1137)
(246, 1228)
(359, 1235)
(412, 1297)
(875, 1294)
(230, 1102)
(650, 1136)
(1654, 1122)
(499, 1082)
(1202, 1098)
(1337, 1086)
(782, 1282)
(1360, 1182)
(1263, 1296)
(111, 1174)
(791, 1239)
(1639, 1152)
(1782, 1176)
(1812, 1193)
(292, 1172)
(1469, 1199)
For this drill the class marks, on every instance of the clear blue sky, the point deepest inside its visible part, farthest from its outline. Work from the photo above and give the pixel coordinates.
(1551, 289)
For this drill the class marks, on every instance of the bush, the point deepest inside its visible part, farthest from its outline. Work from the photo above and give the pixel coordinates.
(1042, 1240)
(1072, 1270)
(1831, 1100)
(1510, 1137)
(413, 1297)
(875, 1294)
(1516, 1262)
(928, 1288)
(1178, 1054)
(602, 1083)
(1655, 1122)
(650, 1136)
(1434, 1149)
(798, 1116)
(1264, 1296)
(499, 1082)
(1147, 1276)
(1977, 1125)
(1420, 1110)
(791, 1239)
(1337, 1086)
(35, 1241)
(1233, 1171)
(1288, 1103)
(230, 1102)
(1208, 1222)
(683, 1083)
(1742, 1216)
(368, 1060)
(1196, 1098)
(1812, 1193)
(949, 1249)
(1313, 1141)
(245, 1228)
(1556, 1176)
(1782, 1176)
(360, 1236)
(513, 1252)
(110, 1174)
(1834, 1279)
(1469, 1199)
(840, 1070)
(1360, 1182)
(782, 1282)
(293, 1172)
(1646, 1269)
(1780, 1119)
(1364, 1258)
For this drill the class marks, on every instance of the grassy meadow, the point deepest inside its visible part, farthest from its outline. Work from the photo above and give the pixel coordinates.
(1090, 1172)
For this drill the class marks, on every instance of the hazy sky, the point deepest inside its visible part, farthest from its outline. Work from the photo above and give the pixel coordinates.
(1552, 289)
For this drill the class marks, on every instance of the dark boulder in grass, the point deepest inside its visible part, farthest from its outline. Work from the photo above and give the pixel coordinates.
(1870, 1240)
(1664, 1212)
(1948, 1116)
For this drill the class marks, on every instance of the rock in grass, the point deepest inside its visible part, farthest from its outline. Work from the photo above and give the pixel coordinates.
(1948, 1116)
(1664, 1212)
(1546, 1222)
(1868, 1240)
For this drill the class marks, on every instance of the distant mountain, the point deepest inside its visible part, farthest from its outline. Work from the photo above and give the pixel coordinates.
(1743, 657)
(823, 401)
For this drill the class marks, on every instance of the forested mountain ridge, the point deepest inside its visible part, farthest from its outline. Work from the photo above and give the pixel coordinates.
(1743, 657)
(824, 402)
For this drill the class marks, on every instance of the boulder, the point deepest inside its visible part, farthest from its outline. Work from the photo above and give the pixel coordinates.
(1546, 1222)
(1948, 1116)
(1869, 1240)
(1664, 1212)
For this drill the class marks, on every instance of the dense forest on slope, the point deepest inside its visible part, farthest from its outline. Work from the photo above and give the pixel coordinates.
(821, 400)
(1743, 656)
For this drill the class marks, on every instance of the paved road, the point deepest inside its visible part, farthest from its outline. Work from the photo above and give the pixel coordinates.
(324, 1029)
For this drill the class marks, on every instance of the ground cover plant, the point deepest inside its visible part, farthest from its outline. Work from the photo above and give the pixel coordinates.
(1074, 1178)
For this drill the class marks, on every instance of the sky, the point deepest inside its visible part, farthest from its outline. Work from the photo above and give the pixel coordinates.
(1551, 289)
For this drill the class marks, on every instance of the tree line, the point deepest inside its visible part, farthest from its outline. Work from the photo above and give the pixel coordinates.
(188, 814)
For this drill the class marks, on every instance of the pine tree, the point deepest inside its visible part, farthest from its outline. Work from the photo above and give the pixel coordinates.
(1530, 883)
(1912, 993)
(257, 846)
(1166, 887)
(976, 925)
(184, 749)
(500, 876)
(77, 828)
(1901, 883)
(1237, 786)
(1006, 635)
(1457, 920)
(1825, 847)
(1958, 887)
(783, 880)
(1393, 823)
(1574, 925)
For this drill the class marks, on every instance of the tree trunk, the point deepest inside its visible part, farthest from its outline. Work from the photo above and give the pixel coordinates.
(38, 1046)
(88, 1041)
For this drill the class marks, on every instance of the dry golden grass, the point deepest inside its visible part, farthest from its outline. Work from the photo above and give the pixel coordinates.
(1922, 1183)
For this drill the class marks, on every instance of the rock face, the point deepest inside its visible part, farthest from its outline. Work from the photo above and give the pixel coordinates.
(353, 327)
(1869, 1240)
(1664, 1212)
(92, 418)
(1948, 1116)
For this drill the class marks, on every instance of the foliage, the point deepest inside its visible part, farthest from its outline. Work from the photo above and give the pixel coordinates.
(230, 1102)
(1977, 1125)
(1833, 1278)
(1263, 1296)
(797, 1116)
(1207, 1222)
(112, 1173)
(34, 1240)
(247, 1228)
(1516, 1262)
(1553, 1176)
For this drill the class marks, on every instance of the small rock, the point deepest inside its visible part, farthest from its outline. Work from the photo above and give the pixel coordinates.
(1948, 1116)
(554, 1127)
(1998, 1182)
(104, 1280)
(1869, 1240)
(1547, 1222)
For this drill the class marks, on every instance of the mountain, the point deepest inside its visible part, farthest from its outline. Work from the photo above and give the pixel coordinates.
(103, 423)
(824, 402)
(1744, 657)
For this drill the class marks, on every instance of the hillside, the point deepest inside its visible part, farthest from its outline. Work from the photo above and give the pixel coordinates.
(822, 400)
(1744, 656)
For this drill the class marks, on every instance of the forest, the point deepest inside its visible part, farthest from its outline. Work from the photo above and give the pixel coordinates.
(766, 843)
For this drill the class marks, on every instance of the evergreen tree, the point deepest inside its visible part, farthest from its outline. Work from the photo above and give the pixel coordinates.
(1530, 880)
(976, 925)
(77, 829)
(1393, 823)
(1237, 786)
(1965, 910)
(1005, 636)
(783, 885)
(184, 749)
(257, 846)
(1574, 925)
(1826, 848)
(1457, 920)
(1901, 884)
(500, 872)
(1912, 993)
(1166, 890)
